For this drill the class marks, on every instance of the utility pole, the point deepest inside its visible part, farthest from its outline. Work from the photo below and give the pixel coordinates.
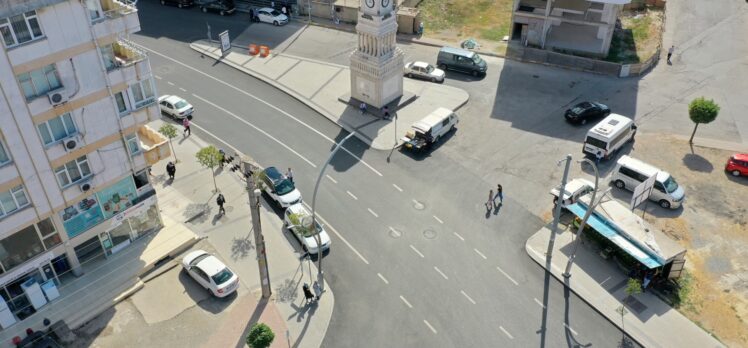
(557, 213)
(254, 207)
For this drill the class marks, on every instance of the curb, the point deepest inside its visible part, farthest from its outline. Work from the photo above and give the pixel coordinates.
(527, 250)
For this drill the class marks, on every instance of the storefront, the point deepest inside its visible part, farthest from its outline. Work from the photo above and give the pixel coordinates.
(130, 225)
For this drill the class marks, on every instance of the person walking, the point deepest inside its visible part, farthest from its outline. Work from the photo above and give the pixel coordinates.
(251, 14)
(670, 53)
(598, 157)
(499, 195)
(284, 10)
(362, 108)
(489, 203)
(171, 169)
(220, 200)
(223, 157)
(186, 124)
(386, 110)
(317, 290)
(289, 174)
(308, 296)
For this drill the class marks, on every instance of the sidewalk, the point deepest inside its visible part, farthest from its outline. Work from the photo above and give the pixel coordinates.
(290, 74)
(649, 321)
(190, 198)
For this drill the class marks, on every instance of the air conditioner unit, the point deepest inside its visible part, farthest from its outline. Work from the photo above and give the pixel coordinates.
(71, 143)
(85, 186)
(57, 97)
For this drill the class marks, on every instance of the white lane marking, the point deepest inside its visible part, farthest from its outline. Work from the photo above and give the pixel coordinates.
(506, 332)
(398, 188)
(415, 201)
(327, 224)
(396, 232)
(506, 275)
(256, 128)
(438, 219)
(603, 282)
(440, 272)
(570, 329)
(539, 303)
(459, 236)
(331, 179)
(383, 278)
(372, 212)
(170, 83)
(157, 77)
(182, 89)
(416, 250)
(481, 254)
(406, 301)
(215, 137)
(429, 325)
(264, 102)
(352, 196)
(467, 297)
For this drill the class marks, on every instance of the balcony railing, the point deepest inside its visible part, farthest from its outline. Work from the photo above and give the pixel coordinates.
(117, 8)
(127, 53)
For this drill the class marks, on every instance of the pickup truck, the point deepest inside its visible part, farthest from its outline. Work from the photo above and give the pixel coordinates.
(416, 141)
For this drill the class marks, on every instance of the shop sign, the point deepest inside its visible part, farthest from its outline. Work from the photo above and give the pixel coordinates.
(136, 210)
(118, 197)
(81, 216)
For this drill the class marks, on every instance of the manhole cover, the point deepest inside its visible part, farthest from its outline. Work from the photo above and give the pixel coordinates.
(418, 205)
(429, 234)
(394, 233)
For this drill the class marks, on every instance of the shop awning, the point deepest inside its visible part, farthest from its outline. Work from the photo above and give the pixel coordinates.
(608, 230)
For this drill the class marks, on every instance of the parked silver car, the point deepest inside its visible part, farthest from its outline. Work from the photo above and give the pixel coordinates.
(423, 70)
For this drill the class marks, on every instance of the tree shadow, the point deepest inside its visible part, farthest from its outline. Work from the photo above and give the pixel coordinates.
(697, 163)
(241, 247)
(197, 212)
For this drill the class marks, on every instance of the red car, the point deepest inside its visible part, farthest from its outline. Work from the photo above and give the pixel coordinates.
(737, 165)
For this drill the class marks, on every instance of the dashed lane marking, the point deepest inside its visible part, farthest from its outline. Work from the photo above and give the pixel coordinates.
(506, 275)
(372, 212)
(157, 77)
(429, 325)
(339, 236)
(570, 329)
(438, 219)
(383, 278)
(416, 250)
(170, 83)
(331, 179)
(352, 196)
(396, 232)
(467, 297)
(506, 332)
(459, 236)
(406, 302)
(397, 187)
(256, 128)
(182, 89)
(481, 254)
(539, 303)
(440, 272)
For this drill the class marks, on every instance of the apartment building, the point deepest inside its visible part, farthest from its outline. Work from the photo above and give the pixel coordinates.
(577, 26)
(74, 146)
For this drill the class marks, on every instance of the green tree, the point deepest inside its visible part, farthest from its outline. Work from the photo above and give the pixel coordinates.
(168, 130)
(701, 110)
(260, 336)
(209, 157)
(633, 287)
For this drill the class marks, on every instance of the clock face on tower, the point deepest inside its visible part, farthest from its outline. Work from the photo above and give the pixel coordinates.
(369, 3)
(385, 3)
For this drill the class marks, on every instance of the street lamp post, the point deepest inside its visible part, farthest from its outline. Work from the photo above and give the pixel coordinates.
(592, 205)
(317, 237)
(557, 213)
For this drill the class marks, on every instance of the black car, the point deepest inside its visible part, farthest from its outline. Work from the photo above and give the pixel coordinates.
(178, 3)
(223, 7)
(585, 111)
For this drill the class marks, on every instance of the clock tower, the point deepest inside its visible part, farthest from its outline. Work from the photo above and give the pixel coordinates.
(377, 62)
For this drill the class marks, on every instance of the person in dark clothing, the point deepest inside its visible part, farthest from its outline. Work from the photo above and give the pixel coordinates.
(386, 112)
(223, 157)
(308, 295)
(171, 169)
(220, 201)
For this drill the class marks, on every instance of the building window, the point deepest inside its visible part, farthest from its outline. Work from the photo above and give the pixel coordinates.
(49, 234)
(73, 171)
(20, 28)
(57, 129)
(132, 144)
(20, 247)
(121, 103)
(93, 9)
(39, 82)
(107, 53)
(12, 200)
(4, 157)
(142, 93)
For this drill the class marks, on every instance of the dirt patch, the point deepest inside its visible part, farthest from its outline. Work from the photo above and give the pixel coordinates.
(638, 36)
(713, 226)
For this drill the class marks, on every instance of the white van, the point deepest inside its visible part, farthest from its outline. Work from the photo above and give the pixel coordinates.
(630, 172)
(609, 135)
(430, 129)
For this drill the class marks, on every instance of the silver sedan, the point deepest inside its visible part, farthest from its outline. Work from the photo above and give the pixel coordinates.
(423, 70)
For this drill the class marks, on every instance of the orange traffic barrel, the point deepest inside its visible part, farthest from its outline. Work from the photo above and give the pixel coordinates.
(264, 51)
(253, 49)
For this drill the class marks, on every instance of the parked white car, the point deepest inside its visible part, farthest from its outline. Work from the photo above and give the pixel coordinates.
(272, 16)
(280, 188)
(294, 218)
(423, 70)
(175, 107)
(210, 273)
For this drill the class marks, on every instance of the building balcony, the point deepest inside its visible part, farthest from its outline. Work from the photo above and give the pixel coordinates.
(130, 62)
(119, 17)
(154, 145)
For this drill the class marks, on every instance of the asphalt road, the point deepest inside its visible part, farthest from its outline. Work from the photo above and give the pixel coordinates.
(422, 263)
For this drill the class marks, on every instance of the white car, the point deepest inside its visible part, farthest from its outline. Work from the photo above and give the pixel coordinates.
(294, 218)
(280, 188)
(423, 70)
(272, 16)
(211, 273)
(175, 106)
